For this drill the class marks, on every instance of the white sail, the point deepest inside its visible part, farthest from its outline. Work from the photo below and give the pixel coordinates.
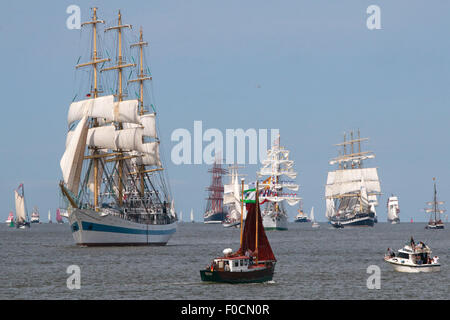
(102, 137)
(49, 216)
(393, 208)
(97, 108)
(340, 182)
(311, 216)
(330, 209)
(21, 213)
(106, 109)
(125, 111)
(192, 215)
(148, 121)
(72, 160)
(129, 139)
(150, 156)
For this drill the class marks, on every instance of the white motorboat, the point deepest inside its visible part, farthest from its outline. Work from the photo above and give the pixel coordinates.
(413, 258)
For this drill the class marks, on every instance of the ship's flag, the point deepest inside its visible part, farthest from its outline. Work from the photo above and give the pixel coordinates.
(250, 196)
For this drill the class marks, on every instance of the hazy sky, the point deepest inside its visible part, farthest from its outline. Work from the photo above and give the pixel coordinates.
(309, 68)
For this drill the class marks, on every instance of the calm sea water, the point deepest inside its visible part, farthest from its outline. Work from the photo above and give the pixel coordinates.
(320, 263)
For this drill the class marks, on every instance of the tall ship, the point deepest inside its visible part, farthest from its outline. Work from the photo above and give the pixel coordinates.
(35, 218)
(301, 215)
(232, 198)
(114, 184)
(215, 211)
(351, 190)
(393, 210)
(22, 219)
(278, 187)
(435, 221)
(49, 217)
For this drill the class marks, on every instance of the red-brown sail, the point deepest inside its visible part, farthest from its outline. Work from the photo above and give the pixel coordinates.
(265, 252)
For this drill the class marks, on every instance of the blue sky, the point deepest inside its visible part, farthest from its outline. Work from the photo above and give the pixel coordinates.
(310, 68)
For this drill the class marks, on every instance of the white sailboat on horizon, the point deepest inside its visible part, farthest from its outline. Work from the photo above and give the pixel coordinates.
(313, 220)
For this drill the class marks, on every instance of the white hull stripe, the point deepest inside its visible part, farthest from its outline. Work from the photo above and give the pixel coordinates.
(90, 226)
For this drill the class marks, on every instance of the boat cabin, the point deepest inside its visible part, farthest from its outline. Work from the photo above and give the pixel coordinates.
(418, 255)
(232, 264)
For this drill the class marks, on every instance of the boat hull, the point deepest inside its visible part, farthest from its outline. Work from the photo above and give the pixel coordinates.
(275, 222)
(408, 268)
(358, 221)
(90, 228)
(434, 226)
(257, 276)
(303, 219)
(217, 217)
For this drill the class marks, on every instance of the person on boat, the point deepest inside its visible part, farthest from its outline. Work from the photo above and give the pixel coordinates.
(435, 260)
(412, 243)
(390, 253)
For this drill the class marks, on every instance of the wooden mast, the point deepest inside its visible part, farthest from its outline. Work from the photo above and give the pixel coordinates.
(120, 65)
(257, 220)
(95, 93)
(141, 78)
(242, 209)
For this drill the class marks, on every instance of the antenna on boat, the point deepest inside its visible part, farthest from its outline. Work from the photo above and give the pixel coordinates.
(257, 218)
(242, 208)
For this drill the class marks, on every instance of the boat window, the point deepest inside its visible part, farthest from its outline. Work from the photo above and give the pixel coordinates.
(242, 262)
(403, 255)
(236, 263)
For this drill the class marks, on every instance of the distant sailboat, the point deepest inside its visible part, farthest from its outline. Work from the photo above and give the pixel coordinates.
(315, 224)
(49, 217)
(35, 217)
(10, 220)
(435, 220)
(192, 216)
(393, 210)
(21, 210)
(181, 216)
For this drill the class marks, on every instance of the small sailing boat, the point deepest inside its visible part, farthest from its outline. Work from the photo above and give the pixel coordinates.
(351, 190)
(192, 216)
(393, 210)
(314, 223)
(49, 217)
(413, 258)
(215, 212)
(181, 216)
(10, 220)
(22, 221)
(35, 218)
(435, 222)
(253, 262)
(301, 216)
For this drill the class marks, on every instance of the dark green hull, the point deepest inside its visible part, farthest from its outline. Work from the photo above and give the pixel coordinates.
(257, 276)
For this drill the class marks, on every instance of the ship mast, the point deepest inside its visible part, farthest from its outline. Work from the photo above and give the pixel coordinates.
(119, 67)
(94, 91)
(141, 78)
